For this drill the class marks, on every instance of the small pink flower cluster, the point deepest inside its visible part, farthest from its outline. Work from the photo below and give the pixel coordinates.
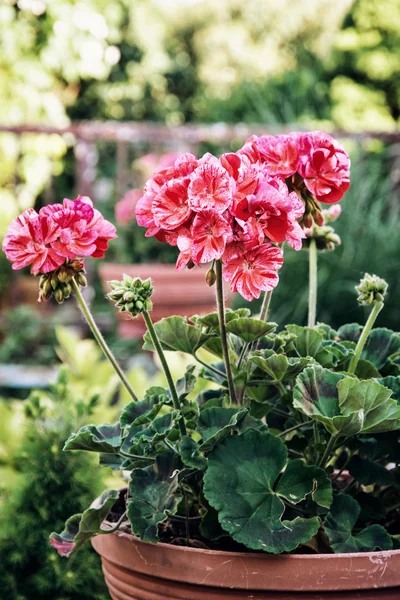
(237, 207)
(58, 232)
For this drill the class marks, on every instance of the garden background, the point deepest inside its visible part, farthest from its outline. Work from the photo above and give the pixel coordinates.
(89, 87)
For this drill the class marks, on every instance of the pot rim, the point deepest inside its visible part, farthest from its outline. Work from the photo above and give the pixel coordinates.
(229, 554)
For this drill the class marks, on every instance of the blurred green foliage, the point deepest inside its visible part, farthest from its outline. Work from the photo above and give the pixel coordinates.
(50, 485)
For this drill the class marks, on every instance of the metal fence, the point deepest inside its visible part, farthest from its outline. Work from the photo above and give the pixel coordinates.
(85, 137)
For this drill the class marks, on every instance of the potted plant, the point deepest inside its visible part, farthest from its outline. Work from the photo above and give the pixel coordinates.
(141, 256)
(281, 481)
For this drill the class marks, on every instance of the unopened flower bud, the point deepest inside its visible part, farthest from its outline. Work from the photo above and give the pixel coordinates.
(371, 289)
(318, 218)
(332, 213)
(131, 295)
(81, 280)
(59, 295)
(63, 274)
(211, 277)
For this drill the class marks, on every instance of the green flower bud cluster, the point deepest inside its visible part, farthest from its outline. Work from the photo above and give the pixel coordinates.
(312, 208)
(131, 295)
(371, 289)
(58, 282)
(325, 238)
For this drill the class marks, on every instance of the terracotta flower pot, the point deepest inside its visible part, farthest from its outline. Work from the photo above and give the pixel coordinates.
(189, 294)
(135, 570)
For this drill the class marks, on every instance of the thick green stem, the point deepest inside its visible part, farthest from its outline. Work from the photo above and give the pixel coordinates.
(99, 338)
(312, 289)
(167, 372)
(222, 327)
(364, 335)
(328, 450)
(265, 305)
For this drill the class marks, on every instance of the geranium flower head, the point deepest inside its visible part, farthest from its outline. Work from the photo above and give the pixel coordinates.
(325, 166)
(45, 240)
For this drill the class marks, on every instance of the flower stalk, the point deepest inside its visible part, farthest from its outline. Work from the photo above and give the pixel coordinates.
(364, 336)
(313, 282)
(222, 327)
(100, 339)
(167, 372)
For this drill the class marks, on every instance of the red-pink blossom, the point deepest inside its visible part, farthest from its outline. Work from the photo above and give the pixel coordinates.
(253, 271)
(211, 187)
(170, 207)
(325, 166)
(279, 153)
(29, 242)
(210, 233)
(59, 232)
(125, 208)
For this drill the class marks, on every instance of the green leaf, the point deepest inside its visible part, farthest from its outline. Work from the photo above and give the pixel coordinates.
(249, 329)
(212, 319)
(104, 438)
(186, 384)
(379, 411)
(366, 370)
(367, 472)
(176, 334)
(121, 463)
(154, 496)
(190, 453)
(339, 525)
(241, 484)
(144, 411)
(393, 383)
(141, 438)
(380, 345)
(350, 332)
(210, 527)
(345, 405)
(299, 480)
(80, 528)
(279, 367)
(217, 423)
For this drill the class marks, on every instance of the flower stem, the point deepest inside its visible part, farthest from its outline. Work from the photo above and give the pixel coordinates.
(210, 367)
(222, 326)
(364, 335)
(312, 289)
(265, 305)
(163, 360)
(99, 338)
(328, 450)
(294, 428)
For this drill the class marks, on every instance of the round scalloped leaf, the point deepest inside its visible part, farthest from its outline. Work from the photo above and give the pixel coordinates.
(339, 524)
(240, 484)
(380, 345)
(216, 423)
(154, 496)
(367, 472)
(190, 453)
(295, 483)
(249, 329)
(176, 334)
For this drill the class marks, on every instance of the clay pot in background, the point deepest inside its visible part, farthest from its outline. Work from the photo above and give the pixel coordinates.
(176, 293)
(135, 570)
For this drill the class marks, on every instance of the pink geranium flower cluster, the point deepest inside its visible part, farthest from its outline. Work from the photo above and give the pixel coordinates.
(239, 208)
(45, 240)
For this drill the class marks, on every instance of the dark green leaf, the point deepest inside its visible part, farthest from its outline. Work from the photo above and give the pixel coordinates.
(104, 438)
(144, 411)
(154, 496)
(393, 383)
(367, 472)
(240, 483)
(80, 528)
(141, 438)
(299, 480)
(186, 384)
(380, 345)
(339, 525)
(190, 453)
(366, 370)
(217, 423)
(350, 332)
